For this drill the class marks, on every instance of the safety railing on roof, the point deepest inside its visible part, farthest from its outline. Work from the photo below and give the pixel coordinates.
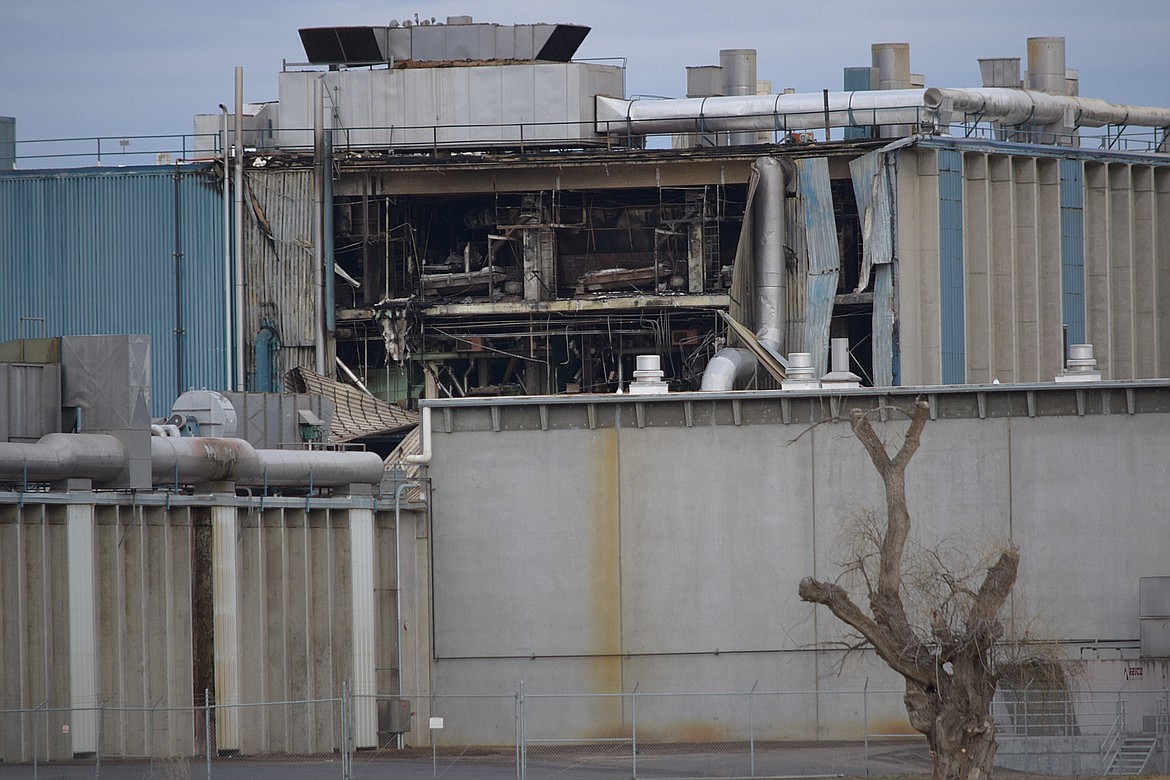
(128, 150)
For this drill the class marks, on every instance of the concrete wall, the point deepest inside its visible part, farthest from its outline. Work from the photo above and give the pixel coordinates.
(595, 544)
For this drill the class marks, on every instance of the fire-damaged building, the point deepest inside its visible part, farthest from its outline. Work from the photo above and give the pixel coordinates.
(621, 337)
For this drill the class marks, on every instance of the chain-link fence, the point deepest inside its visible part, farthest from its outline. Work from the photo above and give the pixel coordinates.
(529, 734)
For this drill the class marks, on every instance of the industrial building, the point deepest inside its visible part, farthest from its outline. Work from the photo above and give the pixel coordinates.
(610, 320)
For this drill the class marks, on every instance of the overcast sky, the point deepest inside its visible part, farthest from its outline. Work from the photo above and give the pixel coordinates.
(79, 68)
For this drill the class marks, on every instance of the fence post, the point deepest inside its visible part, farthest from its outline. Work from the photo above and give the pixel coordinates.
(207, 729)
(97, 770)
(634, 728)
(752, 729)
(36, 738)
(865, 721)
(521, 736)
(345, 729)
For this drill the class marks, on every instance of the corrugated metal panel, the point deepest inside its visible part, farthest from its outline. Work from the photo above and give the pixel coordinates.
(93, 251)
(874, 191)
(950, 259)
(1072, 248)
(885, 355)
(743, 284)
(815, 195)
(278, 265)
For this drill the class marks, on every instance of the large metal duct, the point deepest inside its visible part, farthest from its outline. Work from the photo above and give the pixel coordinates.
(768, 238)
(730, 365)
(206, 459)
(768, 249)
(805, 111)
(60, 456)
(795, 111)
(1015, 106)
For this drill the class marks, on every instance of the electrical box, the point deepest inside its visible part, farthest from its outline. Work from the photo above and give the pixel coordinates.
(394, 716)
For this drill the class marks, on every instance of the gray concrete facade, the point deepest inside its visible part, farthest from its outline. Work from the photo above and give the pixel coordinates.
(599, 543)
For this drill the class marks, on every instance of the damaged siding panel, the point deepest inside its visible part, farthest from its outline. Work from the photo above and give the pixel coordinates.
(279, 255)
(815, 197)
(874, 191)
(885, 356)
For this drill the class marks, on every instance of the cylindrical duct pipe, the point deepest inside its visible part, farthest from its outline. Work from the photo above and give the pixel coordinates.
(728, 367)
(1014, 106)
(1046, 69)
(768, 248)
(739, 78)
(208, 459)
(891, 65)
(59, 456)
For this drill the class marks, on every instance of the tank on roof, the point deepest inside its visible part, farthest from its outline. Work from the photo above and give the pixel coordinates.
(458, 40)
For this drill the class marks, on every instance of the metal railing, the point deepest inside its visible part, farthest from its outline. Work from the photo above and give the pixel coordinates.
(529, 135)
(529, 734)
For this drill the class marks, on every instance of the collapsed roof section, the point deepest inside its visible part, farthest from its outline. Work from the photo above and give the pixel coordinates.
(356, 414)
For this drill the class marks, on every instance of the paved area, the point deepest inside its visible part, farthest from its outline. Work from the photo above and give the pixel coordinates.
(662, 762)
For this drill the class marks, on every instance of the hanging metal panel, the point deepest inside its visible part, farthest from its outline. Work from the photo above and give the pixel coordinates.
(820, 230)
(127, 250)
(279, 258)
(873, 189)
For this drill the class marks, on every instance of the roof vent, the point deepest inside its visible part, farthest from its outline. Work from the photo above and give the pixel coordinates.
(801, 372)
(648, 377)
(840, 377)
(1081, 366)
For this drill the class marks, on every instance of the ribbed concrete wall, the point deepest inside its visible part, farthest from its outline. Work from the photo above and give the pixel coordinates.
(130, 621)
(1045, 242)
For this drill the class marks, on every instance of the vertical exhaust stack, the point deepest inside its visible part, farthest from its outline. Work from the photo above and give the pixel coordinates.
(840, 377)
(739, 78)
(769, 240)
(1047, 73)
(703, 81)
(891, 70)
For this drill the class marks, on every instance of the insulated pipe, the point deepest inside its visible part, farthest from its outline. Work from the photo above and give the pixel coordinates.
(423, 457)
(227, 255)
(730, 365)
(806, 111)
(238, 196)
(1016, 106)
(768, 247)
(209, 459)
(57, 456)
(797, 111)
(318, 229)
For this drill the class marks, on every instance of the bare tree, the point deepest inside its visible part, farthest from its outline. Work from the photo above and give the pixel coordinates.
(946, 659)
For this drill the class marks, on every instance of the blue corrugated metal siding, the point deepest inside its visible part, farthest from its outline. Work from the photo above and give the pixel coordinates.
(1072, 249)
(950, 261)
(93, 251)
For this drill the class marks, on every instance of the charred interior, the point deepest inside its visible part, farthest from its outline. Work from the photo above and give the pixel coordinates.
(457, 293)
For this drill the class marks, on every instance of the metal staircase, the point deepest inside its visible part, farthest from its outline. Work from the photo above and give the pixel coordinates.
(1132, 756)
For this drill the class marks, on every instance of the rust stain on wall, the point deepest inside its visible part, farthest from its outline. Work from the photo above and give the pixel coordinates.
(605, 565)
